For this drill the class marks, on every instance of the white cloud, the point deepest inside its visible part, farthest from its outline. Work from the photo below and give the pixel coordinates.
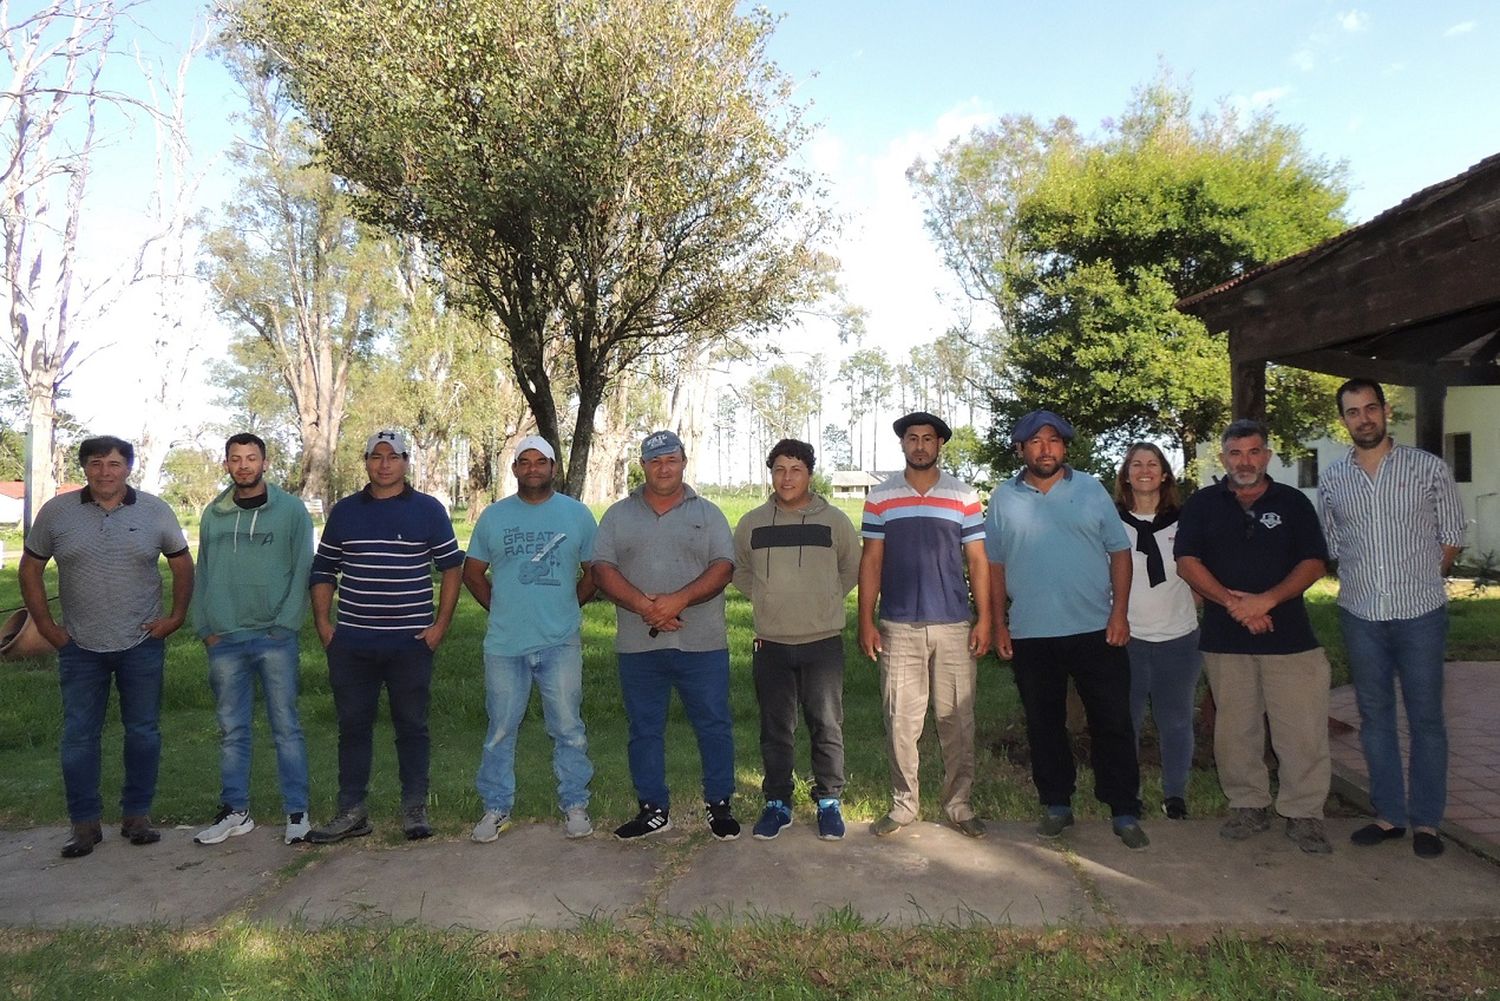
(1246, 104)
(1354, 20)
(1461, 28)
(1305, 60)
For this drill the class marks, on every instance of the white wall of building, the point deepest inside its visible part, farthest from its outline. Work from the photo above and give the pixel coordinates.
(1472, 410)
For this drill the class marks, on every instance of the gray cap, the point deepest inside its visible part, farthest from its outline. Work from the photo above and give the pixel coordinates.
(391, 437)
(661, 443)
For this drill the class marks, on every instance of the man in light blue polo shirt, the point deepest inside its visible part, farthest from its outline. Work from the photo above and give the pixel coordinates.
(1057, 547)
(532, 545)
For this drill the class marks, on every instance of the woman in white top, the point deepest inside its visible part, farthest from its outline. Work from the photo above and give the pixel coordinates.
(1164, 658)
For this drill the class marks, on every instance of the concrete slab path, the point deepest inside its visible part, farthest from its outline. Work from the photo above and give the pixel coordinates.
(927, 874)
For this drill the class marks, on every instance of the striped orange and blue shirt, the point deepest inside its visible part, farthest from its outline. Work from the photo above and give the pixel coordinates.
(922, 572)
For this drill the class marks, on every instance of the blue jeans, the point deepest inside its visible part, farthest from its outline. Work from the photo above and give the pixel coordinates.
(702, 681)
(558, 673)
(1411, 650)
(84, 676)
(233, 666)
(1165, 674)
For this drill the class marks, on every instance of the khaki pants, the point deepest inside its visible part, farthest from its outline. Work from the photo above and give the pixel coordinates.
(1291, 692)
(918, 662)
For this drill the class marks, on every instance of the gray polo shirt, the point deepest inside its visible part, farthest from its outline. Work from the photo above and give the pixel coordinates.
(660, 554)
(107, 576)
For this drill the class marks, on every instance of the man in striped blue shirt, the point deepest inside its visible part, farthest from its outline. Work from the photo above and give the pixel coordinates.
(380, 545)
(921, 530)
(1394, 525)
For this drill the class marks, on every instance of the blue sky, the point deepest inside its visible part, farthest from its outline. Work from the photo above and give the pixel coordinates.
(1405, 93)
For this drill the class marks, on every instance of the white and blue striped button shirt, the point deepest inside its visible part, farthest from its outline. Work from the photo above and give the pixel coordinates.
(1387, 533)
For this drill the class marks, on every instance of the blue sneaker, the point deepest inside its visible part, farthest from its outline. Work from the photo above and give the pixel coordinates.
(773, 818)
(830, 820)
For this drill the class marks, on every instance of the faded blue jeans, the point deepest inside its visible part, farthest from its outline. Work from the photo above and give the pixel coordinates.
(233, 667)
(1410, 650)
(1165, 674)
(558, 674)
(84, 677)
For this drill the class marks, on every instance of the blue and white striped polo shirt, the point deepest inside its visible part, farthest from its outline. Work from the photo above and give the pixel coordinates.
(381, 552)
(1387, 533)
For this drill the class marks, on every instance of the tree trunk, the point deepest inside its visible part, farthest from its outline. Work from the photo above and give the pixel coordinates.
(41, 423)
(481, 477)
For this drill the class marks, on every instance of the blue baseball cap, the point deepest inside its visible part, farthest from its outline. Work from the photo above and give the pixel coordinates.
(1033, 422)
(661, 443)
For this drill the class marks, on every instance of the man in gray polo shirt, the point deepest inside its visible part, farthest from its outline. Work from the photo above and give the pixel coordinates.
(664, 555)
(106, 540)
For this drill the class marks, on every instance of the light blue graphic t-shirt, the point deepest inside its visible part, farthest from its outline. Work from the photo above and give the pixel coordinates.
(533, 551)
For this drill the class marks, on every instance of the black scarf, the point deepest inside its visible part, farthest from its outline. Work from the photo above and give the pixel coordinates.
(1145, 542)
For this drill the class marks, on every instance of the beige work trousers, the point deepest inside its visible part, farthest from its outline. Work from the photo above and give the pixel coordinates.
(1290, 691)
(921, 662)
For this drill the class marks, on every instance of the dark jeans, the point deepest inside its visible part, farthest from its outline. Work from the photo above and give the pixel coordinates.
(702, 682)
(84, 677)
(1101, 673)
(810, 675)
(356, 674)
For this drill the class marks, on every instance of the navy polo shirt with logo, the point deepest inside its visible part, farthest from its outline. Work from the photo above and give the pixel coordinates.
(1252, 550)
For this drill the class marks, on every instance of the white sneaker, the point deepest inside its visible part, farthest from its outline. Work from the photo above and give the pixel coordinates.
(230, 823)
(578, 824)
(490, 826)
(296, 828)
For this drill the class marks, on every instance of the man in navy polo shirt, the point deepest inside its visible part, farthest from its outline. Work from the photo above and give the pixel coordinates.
(1251, 547)
(380, 545)
(1056, 546)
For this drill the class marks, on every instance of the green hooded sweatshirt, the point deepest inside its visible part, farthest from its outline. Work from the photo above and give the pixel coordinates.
(252, 566)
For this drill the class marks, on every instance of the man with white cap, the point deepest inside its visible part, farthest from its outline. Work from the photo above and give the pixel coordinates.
(528, 564)
(379, 547)
(1058, 551)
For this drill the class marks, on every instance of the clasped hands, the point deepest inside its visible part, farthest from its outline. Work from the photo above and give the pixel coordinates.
(1253, 611)
(662, 612)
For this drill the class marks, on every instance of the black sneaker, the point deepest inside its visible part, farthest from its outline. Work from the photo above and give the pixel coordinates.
(350, 823)
(651, 820)
(415, 824)
(721, 821)
(1175, 807)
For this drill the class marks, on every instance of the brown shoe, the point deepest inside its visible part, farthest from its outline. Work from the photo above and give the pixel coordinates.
(138, 831)
(83, 839)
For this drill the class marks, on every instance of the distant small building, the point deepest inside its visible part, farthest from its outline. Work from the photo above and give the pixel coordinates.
(855, 484)
(13, 499)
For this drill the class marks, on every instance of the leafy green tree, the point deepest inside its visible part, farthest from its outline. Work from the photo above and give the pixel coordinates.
(781, 402)
(1082, 245)
(307, 284)
(867, 378)
(612, 175)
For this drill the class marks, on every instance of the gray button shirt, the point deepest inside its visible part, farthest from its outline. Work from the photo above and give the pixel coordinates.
(660, 554)
(107, 576)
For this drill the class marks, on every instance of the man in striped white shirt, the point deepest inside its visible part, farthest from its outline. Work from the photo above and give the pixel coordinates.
(1394, 525)
(380, 545)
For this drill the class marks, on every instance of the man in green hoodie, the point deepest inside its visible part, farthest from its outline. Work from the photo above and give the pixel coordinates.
(249, 600)
(796, 558)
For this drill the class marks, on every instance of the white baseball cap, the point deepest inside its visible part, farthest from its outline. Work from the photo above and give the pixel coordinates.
(535, 441)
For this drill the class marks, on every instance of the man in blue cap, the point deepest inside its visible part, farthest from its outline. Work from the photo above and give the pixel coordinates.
(1058, 550)
(664, 555)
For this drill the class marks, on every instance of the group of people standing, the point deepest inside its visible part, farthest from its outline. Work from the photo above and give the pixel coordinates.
(1056, 577)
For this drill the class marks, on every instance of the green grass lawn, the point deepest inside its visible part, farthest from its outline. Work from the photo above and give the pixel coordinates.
(30, 719)
(773, 960)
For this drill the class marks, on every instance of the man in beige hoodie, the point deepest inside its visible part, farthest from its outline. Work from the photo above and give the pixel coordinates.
(796, 558)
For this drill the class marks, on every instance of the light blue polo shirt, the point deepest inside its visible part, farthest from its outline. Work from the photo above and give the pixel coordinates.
(1055, 547)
